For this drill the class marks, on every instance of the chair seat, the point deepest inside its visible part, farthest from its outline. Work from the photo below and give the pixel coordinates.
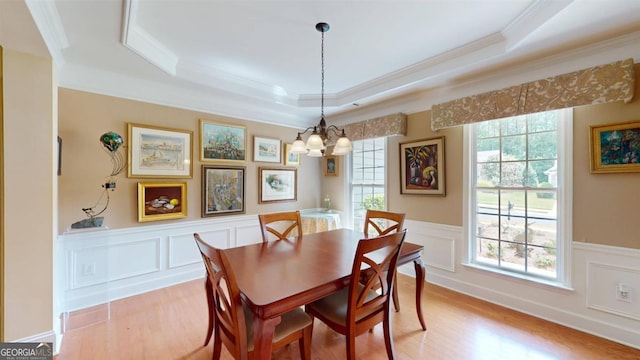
(292, 321)
(334, 307)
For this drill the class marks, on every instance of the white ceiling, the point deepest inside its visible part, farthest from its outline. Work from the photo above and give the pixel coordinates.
(260, 59)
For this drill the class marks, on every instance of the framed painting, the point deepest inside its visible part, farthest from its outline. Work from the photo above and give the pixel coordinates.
(161, 200)
(222, 190)
(615, 148)
(266, 149)
(330, 165)
(422, 167)
(223, 143)
(276, 184)
(159, 152)
(291, 159)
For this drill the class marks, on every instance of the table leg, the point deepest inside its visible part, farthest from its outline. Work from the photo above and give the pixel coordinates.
(420, 271)
(263, 330)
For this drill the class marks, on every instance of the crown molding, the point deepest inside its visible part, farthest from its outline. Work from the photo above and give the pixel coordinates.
(47, 19)
(142, 43)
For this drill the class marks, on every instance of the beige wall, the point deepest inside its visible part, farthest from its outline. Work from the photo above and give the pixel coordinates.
(83, 117)
(605, 206)
(435, 209)
(29, 194)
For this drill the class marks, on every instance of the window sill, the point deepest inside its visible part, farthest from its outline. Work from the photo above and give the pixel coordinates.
(527, 280)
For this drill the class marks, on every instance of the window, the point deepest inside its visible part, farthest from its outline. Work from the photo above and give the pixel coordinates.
(367, 178)
(519, 199)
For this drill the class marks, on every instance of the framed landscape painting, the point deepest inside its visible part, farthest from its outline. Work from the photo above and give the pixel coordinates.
(222, 190)
(422, 167)
(222, 143)
(266, 149)
(615, 148)
(159, 152)
(161, 200)
(290, 158)
(276, 184)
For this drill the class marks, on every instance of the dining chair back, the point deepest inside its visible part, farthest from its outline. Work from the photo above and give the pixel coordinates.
(358, 307)
(382, 222)
(232, 319)
(280, 226)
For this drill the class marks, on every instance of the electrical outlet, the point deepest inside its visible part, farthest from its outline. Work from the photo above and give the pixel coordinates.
(623, 292)
(88, 269)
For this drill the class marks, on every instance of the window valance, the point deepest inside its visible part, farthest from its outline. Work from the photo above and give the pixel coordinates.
(388, 125)
(596, 85)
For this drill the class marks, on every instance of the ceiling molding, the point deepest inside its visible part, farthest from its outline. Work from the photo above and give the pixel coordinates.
(143, 44)
(47, 19)
(531, 19)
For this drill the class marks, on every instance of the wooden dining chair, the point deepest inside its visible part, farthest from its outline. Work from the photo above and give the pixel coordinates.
(382, 223)
(282, 225)
(358, 307)
(233, 320)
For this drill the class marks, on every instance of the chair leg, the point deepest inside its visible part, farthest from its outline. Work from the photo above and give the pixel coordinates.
(209, 290)
(217, 347)
(388, 336)
(305, 343)
(396, 302)
(351, 346)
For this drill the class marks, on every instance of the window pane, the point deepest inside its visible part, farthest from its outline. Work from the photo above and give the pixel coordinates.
(514, 147)
(512, 173)
(513, 126)
(543, 121)
(543, 145)
(487, 147)
(487, 129)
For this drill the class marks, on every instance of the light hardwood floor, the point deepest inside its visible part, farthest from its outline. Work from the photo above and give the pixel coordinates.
(171, 324)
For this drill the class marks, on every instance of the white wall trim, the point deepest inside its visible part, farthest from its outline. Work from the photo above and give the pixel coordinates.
(587, 306)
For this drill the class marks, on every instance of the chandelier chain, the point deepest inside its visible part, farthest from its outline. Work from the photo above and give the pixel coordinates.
(322, 76)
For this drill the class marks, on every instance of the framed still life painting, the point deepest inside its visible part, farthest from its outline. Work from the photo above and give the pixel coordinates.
(422, 167)
(161, 200)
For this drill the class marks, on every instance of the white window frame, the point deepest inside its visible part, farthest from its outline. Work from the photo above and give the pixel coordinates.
(349, 208)
(564, 204)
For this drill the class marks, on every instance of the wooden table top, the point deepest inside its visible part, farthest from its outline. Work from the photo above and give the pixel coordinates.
(277, 276)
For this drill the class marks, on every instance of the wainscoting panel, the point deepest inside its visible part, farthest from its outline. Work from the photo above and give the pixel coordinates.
(183, 251)
(603, 294)
(438, 240)
(97, 266)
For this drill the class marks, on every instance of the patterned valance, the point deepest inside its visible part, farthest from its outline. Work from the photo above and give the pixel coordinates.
(389, 125)
(596, 85)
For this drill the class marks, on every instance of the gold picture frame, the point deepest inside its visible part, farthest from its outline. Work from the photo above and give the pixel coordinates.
(161, 201)
(615, 148)
(159, 152)
(223, 143)
(291, 158)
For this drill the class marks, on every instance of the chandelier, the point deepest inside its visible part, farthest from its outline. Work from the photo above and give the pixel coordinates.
(317, 142)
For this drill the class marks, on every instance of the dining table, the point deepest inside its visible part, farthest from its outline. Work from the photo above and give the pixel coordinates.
(277, 276)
